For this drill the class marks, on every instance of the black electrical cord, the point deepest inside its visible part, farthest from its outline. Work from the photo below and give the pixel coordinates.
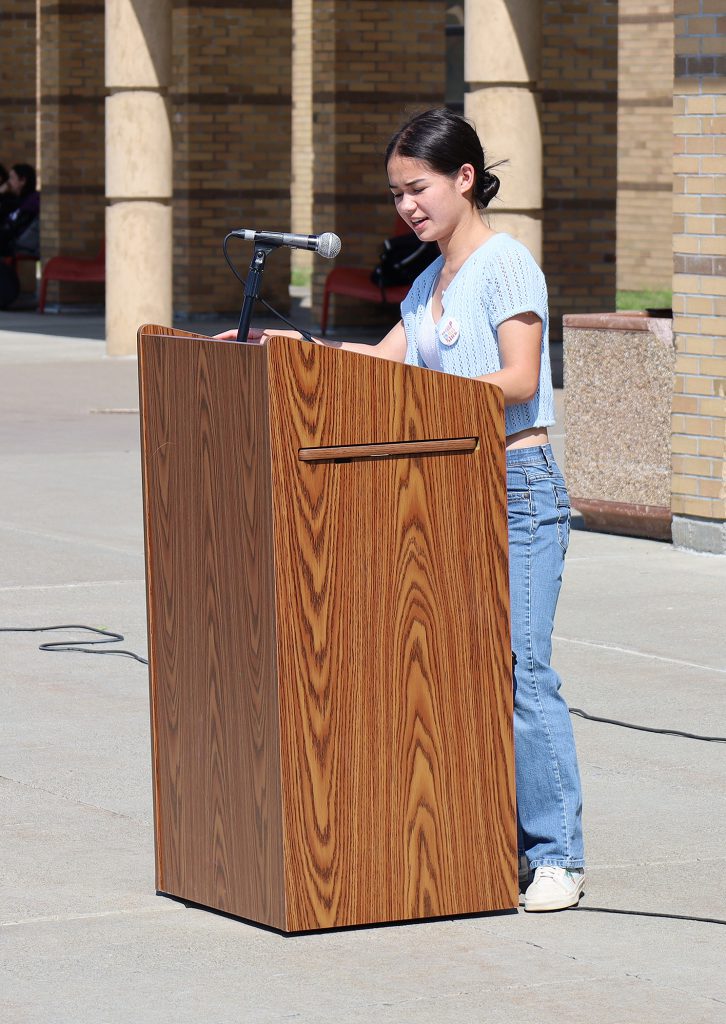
(70, 645)
(230, 264)
(306, 334)
(647, 728)
(111, 637)
(647, 913)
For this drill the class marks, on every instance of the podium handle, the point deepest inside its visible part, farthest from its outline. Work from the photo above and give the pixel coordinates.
(390, 449)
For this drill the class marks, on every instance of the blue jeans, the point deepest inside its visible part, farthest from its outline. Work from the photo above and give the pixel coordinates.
(549, 797)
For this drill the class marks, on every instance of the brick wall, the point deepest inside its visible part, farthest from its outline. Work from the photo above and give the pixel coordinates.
(231, 122)
(645, 125)
(17, 82)
(72, 125)
(579, 114)
(72, 135)
(375, 64)
(18, 122)
(699, 261)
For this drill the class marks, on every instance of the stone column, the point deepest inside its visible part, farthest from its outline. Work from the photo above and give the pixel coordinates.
(301, 192)
(138, 170)
(502, 60)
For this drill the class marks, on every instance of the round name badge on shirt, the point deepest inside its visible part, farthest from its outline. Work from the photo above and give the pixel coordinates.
(449, 332)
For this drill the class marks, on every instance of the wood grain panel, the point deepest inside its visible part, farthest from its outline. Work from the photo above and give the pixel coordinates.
(215, 732)
(374, 781)
(393, 644)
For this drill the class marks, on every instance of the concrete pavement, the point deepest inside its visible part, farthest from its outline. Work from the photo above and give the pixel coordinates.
(84, 938)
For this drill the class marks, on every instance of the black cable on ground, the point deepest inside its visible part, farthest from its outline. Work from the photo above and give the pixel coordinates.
(647, 913)
(647, 728)
(71, 645)
(111, 637)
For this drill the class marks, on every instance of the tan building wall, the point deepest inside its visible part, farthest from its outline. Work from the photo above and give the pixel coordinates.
(699, 279)
(17, 83)
(231, 119)
(579, 115)
(375, 64)
(645, 144)
(230, 98)
(71, 136)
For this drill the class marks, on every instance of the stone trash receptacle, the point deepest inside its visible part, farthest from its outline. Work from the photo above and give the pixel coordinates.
(618, 387)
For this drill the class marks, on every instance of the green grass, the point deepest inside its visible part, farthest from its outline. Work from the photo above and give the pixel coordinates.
(644, 300)
(301, 277)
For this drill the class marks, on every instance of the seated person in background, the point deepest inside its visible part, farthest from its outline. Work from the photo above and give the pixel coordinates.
(20, 226)
(8, 201)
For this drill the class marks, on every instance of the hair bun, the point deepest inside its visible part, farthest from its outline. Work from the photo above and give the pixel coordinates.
(488, 188)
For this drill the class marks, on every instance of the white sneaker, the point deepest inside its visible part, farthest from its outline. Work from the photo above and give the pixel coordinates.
(554, 888)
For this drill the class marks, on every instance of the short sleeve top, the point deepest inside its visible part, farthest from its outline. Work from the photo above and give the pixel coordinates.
(498, 281)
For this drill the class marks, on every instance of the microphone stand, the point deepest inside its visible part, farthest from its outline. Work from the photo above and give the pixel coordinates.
(252, 288)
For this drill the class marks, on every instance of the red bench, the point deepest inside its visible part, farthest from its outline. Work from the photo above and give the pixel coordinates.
(72, 268)
(356, 283)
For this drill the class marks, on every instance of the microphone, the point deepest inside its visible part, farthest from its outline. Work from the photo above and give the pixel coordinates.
(327, 244)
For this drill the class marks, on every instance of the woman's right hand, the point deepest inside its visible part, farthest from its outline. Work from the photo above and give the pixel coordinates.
(258, 335)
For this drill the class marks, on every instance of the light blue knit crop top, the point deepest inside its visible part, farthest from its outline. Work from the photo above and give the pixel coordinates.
(498, 281)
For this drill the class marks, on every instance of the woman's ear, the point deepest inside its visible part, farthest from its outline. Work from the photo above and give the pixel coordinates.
(466, 178)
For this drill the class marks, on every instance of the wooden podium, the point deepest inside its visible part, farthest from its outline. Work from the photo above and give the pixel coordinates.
(329, 649)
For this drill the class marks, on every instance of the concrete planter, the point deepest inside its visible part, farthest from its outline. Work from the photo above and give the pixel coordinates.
(618, 379)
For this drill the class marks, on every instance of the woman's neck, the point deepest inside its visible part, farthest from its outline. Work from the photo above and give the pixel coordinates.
(463, 241)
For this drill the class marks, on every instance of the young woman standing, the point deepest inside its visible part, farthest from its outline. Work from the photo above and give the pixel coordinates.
(480, 311)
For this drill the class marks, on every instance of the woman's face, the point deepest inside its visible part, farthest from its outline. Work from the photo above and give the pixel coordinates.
(15, 183)
(432, 204)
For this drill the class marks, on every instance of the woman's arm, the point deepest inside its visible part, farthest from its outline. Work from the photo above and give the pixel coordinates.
(520, 343)
(392, 347)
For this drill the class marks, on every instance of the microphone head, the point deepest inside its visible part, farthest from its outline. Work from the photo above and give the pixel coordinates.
(329, 245)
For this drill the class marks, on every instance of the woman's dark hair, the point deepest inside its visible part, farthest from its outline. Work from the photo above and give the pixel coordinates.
(28, 173)
(3, 174)
(445, 141)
